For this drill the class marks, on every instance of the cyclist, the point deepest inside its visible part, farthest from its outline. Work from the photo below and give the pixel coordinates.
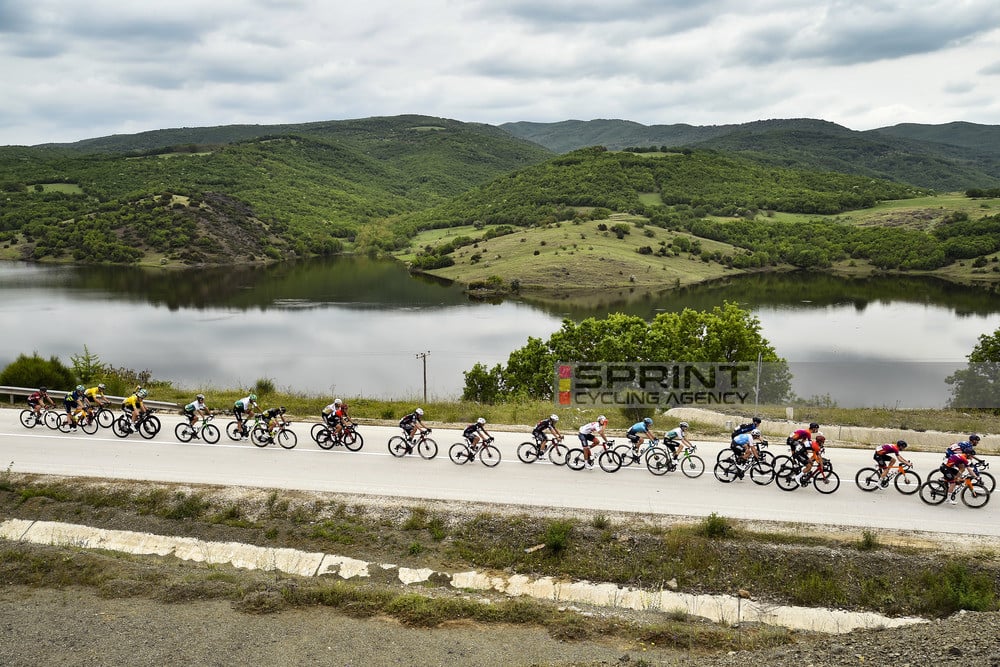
(801, 439)
(195, 409)
(953, 468)
(413, 424)
(810, 454)
(73, 401)
(245, 406)
(885, 457)
(589, 433)
(744, 446)
(38, 399)
(334, 415)
(676, 436)
(95, 395)
(475, 433)
(538, 433)
(965, 446)
(134, 406)
(639, 432)
(274, 416)
(752, 425)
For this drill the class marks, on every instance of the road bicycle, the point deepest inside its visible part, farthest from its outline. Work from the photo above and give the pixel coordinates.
(974, 494)
(82, 418)
(822, 476)
(731, 468)
(463, 452)
(46, 416)
(544, 447)
(608, 460)
(203, 429)
(900, 475)
(660, 462)
(401, 445)
(233, 427)
(327, 438)
(979, 470)
(628, 454)
(762, 450)
(104, 414)
(261, 435)
(147, 425)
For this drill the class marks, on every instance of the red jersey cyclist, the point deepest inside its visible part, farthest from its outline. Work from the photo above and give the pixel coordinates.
(813, 454)
(885, 457)
(38, 400)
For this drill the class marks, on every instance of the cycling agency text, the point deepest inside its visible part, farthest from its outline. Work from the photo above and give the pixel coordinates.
(662, 384)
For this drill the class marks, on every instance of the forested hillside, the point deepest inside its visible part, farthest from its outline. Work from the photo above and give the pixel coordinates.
(952, 157)
(291, 194)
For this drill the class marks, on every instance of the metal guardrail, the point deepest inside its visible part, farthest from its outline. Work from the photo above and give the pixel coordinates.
(57, 395)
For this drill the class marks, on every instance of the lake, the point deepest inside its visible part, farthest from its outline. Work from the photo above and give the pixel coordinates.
(355, 327)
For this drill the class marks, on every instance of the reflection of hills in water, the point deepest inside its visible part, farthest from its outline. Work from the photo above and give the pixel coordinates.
(798, 290)
(350, 282)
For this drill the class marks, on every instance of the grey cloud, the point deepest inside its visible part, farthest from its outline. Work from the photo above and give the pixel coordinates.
(991, 69)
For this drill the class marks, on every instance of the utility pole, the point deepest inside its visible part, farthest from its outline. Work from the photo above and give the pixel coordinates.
(423, 357)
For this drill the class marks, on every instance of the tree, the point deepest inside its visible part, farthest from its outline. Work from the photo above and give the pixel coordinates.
(978, 386)
(725, 334)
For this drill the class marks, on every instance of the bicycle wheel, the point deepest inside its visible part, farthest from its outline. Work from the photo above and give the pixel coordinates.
(934, 491)
(527, 452)
(989, 482)
(761, 473)
(397, 446)
(868, 479)
(658, 462)
(459, 453)
(210, 434)
(784, 477)
(826, 481)
(233, 430)
(105, 417)
(259, 436)
(353, 440)
(692, 465)
(51, 419)
(427, 448)
(64, 425)
(325, 440)
(183, 432)
(627, 456)
(557, 453)
(975, 496)
(609, 461)
(147, 430)
(89, 426)
(907, 482)
(575, 460)
(121, 427)
(27, 418)
(287, 439)
(725, 471)
(489, 456)
(723, 454)
(315, 432)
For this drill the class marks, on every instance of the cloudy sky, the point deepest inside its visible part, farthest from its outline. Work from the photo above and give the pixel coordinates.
(75, 69)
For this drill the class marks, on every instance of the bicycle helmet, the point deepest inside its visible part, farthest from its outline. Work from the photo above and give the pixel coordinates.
(253, 398)
(755, 433)
(481, 421)
(102, 386)
(756, 420)
(337, 401)
(554, 418)
(420, 412)
(813, 426)
(969, 452)
(601, 419)
(142, 393)
(200, 397)
(80, 387)
(282, 409)
(647, 421)
(901, 444)
(973, 438)
(820, 438)
(683, 425)
(43, 390)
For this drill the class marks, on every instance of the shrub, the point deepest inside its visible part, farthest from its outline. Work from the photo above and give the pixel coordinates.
(34, 371)
(714, 525)
(557, 536)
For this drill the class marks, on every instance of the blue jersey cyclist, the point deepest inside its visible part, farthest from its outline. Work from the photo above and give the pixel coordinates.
(639, 432)
(73, 401)
(744, 445)
(966, 447)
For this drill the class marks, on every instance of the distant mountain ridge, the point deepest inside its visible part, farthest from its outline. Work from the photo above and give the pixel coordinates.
(952, 156)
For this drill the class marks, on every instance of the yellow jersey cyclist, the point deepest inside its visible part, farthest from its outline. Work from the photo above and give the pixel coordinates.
(245, 406)
(134, 406)
(95, 395)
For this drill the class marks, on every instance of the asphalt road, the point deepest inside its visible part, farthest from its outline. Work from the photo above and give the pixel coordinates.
(374, 471)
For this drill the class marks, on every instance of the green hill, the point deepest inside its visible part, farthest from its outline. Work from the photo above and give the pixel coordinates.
(955, 156)
(299, 193)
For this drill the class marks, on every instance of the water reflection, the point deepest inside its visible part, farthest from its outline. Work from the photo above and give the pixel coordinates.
(354, 325)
